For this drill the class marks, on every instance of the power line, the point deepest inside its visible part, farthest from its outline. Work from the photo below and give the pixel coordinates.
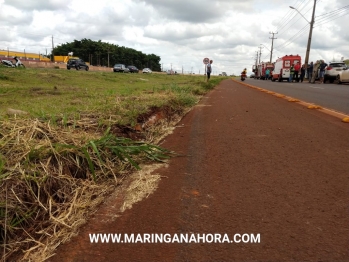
(286, 30)
(344, 7)
(295, 36)
(330, 16)
(286, 18)
(325, 18)
(324, 22)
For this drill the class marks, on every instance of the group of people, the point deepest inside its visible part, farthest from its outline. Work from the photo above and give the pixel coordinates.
(297, 72)
(320, 66)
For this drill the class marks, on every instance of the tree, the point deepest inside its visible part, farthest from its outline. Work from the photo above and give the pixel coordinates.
(96, 52)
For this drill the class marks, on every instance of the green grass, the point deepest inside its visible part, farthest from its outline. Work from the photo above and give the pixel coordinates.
(63, 157)
(44, 93)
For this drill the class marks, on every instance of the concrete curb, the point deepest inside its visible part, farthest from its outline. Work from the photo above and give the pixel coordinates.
(344, 118)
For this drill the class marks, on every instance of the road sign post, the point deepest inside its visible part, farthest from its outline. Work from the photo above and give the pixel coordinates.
(206, 61)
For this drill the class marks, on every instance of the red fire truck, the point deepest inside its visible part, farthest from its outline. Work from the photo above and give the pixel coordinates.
(259, 70)
(264, 67)
(282, 67)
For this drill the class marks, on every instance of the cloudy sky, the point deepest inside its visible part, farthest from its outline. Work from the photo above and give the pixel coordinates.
(182, 32)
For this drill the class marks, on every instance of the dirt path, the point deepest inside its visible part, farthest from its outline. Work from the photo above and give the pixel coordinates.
(254, 164)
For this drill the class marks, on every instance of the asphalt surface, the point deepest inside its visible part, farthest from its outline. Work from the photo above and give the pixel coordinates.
(331, 96)
(253, 164)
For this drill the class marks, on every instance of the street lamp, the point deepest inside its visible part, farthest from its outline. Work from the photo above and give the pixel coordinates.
(310, 32)
(300, 13)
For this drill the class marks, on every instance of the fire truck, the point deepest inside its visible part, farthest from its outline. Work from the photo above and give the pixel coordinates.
(264, 67)
(259, 70)
(282, 67)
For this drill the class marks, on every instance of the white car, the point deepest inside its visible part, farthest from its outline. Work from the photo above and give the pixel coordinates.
(147, 71)
(171, 72)
(332, 70)
(343, 76)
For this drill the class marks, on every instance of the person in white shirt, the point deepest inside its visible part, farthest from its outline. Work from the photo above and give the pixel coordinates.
(209, 70)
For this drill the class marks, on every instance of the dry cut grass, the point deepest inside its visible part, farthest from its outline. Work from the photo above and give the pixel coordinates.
(51, 177)
(78, 141)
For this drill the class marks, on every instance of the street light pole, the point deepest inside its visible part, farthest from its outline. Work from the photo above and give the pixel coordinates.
(272, 45)
(310, 32)
(260, 53)
(310, 35)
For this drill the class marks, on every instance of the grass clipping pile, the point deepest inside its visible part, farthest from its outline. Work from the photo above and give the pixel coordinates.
(50, 178)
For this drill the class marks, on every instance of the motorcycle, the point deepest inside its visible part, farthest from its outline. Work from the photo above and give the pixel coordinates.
(243, 76)
(9, 63)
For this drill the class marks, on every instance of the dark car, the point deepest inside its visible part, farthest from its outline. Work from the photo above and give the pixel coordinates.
(133, 69)
(77, 63)
(121, 68)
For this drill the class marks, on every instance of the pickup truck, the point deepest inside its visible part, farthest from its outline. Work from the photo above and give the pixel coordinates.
(77, 63)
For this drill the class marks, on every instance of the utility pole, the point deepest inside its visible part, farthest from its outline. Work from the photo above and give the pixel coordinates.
(310, 35)
(272, 45)
(311, 23)
(53, 57)
(256, 62)
(260, 53)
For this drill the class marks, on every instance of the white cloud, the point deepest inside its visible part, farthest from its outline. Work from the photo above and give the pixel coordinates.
(181, 32)
(38, 4)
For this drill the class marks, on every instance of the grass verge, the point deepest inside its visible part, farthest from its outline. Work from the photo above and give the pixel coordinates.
(69, 138)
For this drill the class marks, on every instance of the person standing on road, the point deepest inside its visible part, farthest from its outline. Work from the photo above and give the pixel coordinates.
(267, 73)
(310, 71)
(322, 71)
(302, 73)
(209, 70)
(291, 74)
(297, 67)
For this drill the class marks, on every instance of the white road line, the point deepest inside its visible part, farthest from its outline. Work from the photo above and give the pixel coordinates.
(317, 87)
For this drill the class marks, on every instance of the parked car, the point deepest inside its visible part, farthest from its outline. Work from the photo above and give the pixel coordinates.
(77, 63)
(133, 69)
(121, 68)
(343, 76)
(147, 71)
(171, 72)
(251, 75)
(332, 71)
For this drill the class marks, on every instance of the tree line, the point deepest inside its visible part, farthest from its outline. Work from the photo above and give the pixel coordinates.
(99, 53)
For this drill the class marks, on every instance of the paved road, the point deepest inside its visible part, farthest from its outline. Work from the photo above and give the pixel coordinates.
(331, 96)
(253, 164)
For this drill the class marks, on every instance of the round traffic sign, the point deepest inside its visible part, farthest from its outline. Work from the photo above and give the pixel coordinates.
(206, 61)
